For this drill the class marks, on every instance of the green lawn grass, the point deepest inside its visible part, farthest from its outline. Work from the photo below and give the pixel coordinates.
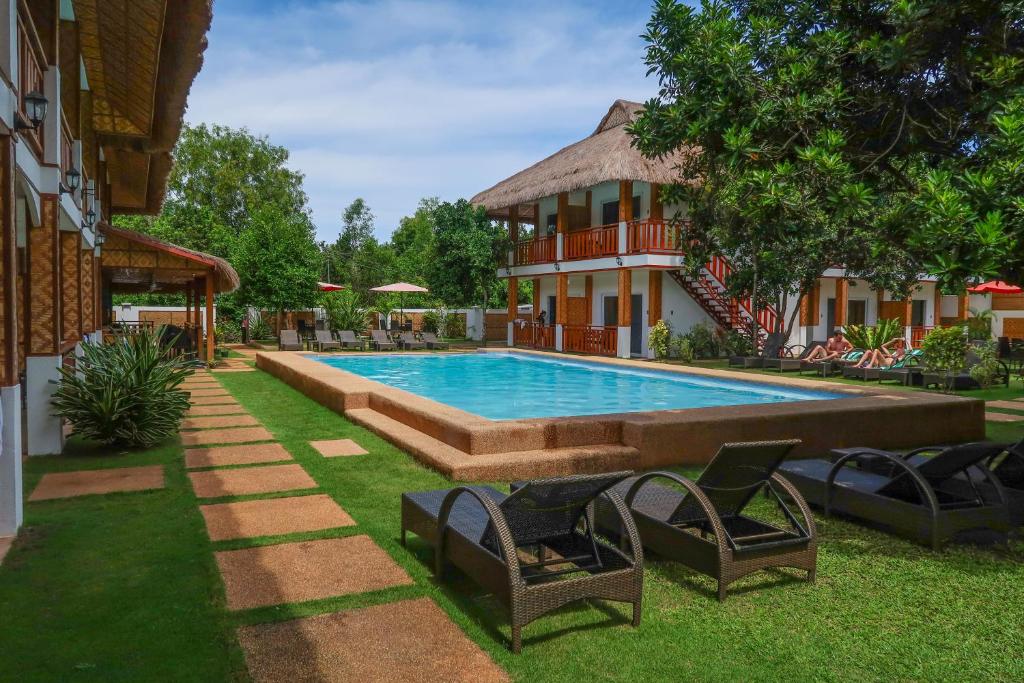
(123, 587)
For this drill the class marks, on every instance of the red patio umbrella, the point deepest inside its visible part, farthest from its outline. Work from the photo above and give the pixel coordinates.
(328, 287)
(401, 288)
(995, 287)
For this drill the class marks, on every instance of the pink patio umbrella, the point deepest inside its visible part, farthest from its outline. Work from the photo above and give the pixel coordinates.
(995, 287)
(401, 288)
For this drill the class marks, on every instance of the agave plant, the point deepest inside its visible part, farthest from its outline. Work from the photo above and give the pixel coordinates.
(345, 311)
(126, 393)
(873, 337)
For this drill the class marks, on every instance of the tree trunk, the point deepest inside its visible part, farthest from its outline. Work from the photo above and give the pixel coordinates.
(753, 309)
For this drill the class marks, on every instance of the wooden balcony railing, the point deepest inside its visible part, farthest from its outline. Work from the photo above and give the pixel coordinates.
(654, 237)
(534, 335)
(30, 75)
(591, 243)
(535, 250)
(917, 334)
(67, 149)
(592, 339)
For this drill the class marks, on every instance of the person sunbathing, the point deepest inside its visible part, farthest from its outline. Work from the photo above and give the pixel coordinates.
(832, 350)
(884, 356)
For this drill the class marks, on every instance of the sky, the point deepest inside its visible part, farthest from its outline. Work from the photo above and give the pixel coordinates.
(396, 100)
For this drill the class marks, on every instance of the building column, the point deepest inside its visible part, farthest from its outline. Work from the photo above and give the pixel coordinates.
(198, 321)
(937, 307)
(10, 389)
(809, 311)
(45, 433)
(210, 334)
(513, 309)
(625, 311)
(71, 286)
(842, 296)
(188, 304)
(561, 308)
(654, 313)
(588, 295)
(561, 225)
(536, 297)
(657, 207)
(962, 307)
(625, 213)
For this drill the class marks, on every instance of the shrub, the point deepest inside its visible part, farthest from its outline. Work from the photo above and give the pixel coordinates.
(945, 350)
(227, 331)
(736, 343)
(432, 321)
(659, 339)
(703, 341)
(453, 326)
(345, 311)
(864, 337)
(125, 393)
(987, 369)
(258, 327)
(682, 348)
(979, 325)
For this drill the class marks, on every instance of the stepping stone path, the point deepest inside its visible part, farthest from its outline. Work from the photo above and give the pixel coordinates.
(410, 640)
(88, 482)
(273, 517)
(307, 570)
(338, 447)
(1002, 417)
(250, 480)
(209, 422)
(1005, 405)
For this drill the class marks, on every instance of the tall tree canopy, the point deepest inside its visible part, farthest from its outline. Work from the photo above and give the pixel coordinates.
(467, 247)
(885, 136)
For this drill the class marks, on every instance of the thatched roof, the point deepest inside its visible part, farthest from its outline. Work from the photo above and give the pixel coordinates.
(133, 261)
(606, 155)
(140, 58)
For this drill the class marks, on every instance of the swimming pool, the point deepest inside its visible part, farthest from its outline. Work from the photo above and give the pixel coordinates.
(510, 386)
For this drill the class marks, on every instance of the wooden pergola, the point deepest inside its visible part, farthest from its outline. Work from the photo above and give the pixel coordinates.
(132, 262)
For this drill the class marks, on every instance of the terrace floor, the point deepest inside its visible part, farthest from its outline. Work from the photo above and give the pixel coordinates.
(130, 586)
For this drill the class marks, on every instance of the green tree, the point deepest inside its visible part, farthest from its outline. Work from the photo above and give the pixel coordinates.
(413, 242)
(467, 247)
(278, 261)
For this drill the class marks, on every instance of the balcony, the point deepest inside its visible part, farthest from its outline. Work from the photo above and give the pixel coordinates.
(641, 237)
(30, 76)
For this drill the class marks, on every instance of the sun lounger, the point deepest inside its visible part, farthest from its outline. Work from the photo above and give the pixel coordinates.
(829, 367)
(534, 549)
(914, 499)
(1009, 470)
(857, 372)
(408, 341)
(432, 342)
(703, 525)
(349, 340)
(790, 362)
(324, 341)
(379, 340)
(289, 341)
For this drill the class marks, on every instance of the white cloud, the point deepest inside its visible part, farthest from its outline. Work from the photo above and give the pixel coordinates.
(398, 100)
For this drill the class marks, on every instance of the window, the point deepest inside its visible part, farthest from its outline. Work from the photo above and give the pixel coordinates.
(552, 223)
(917, 312)
(610, 211)
(856, 310)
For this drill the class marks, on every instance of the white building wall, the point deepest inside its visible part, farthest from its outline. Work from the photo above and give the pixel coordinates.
(678, 308)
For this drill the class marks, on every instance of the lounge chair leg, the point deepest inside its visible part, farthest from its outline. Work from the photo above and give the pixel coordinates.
(403, 537)
(636, 614)
(721, 591)
(517, 639)
(812, 575)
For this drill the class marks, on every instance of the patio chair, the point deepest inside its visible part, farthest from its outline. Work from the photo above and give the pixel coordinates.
(379, 340)
(830, 367)
(534, 549)
(793, 360)
(408, 341)
(906, 370)
(432, 342)
(1009, 470)
(289, 340)
(913, 499)
(866, 374)
(324, 341)
(349, 340)
(704, 526)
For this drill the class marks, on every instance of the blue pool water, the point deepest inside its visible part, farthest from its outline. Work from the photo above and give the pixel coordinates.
(511, 386)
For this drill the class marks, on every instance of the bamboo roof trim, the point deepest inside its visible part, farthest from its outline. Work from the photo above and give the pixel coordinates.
(226, 277)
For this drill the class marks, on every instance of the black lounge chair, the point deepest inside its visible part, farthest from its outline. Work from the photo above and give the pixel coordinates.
(1009, 470)
(380, 341)
(918, 500)
(408, 341)
(324, 341)
(349, 340)
(792, 361)
(704, 526)
(432, 342)
(534, 549)
(289, 341)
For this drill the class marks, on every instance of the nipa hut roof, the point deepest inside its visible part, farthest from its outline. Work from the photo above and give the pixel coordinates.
(607, 154)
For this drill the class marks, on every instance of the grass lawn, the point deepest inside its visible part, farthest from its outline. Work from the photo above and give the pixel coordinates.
(124, 587)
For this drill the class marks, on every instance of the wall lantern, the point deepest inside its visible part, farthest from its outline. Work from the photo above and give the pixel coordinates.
(35, 108)
(90, 217)
(557, 267)
(100, 238)
(618, 260)
(73, 180)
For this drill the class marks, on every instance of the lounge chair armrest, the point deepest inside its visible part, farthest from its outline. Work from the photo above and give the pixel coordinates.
(501, 530)
(692, 489)
(924, 449)
(927, 493)
(794, 351)
(636, 547)
(801, 502)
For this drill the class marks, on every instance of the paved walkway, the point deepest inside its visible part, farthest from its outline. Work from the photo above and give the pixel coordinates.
(250, 487)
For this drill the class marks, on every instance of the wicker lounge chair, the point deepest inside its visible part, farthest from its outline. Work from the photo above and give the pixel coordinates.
(324, 341)
(379, 340)
(704, 526)
(432, 342)
(534, 549)
(792, 361)
(1009, 470)
(913, 499)
(289, 341)
(349, 340)
(408, 341)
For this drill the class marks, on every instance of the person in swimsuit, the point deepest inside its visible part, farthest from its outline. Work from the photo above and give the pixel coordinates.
(833, 348)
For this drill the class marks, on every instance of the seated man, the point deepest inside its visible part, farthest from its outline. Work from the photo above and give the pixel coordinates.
(835, 347)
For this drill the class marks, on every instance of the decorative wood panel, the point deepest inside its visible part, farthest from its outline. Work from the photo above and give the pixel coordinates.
(1013, 328)
(163, 318)
(43, 273)
(894, 310)
(1008, 302)
(577, 313)
(88, 291)
(70, 285)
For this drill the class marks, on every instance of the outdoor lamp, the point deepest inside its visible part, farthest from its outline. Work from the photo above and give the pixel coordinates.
(35, 107)
(73, 179)
(90, 217)
(100, 238)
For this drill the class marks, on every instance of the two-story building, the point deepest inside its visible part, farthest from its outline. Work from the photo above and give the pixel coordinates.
(590, 230)
(92, 95)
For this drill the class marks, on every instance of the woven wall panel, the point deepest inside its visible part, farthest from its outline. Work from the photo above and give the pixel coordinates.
(70, 285)
(44, 304)
(88, 292)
